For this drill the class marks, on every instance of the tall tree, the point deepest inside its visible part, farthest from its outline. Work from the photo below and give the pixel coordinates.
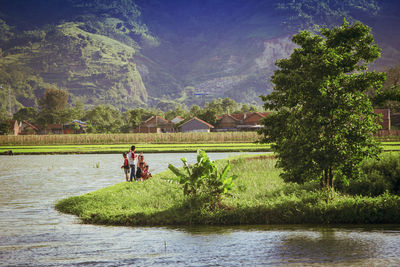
(104, 119)
(26, 114)
(53, 100)
(52, 107)
(324, 122)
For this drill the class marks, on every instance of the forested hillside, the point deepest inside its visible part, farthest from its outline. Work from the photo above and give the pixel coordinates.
(138, 53)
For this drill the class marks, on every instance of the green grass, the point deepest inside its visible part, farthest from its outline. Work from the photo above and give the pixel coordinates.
(147, 148)
(260, 196)
(153, 148)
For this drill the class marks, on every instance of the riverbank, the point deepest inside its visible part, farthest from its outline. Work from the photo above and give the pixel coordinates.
(259, 196)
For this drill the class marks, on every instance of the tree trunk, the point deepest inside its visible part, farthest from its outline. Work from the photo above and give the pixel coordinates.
(331, 177)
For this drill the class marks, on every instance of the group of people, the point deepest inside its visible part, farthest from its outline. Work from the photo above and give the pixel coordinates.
(141, 172)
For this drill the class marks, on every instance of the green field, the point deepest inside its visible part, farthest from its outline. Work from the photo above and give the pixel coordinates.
(153, 148)
(146, 148)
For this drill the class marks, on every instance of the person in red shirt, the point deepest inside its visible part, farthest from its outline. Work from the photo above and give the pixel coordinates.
(126, 166)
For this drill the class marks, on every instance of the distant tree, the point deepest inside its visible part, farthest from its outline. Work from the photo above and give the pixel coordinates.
(173, 113)
(195, 110)
(209, 115)
(53, 100)
(77, 111)
(4, 121)
(324, 122)
(26, 114)
(134, 117)
(53, 107)
(389, 96)
(104, 119)
(229, 105)
(215, 105)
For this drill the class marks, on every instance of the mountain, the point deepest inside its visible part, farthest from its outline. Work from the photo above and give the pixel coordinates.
(159, 53)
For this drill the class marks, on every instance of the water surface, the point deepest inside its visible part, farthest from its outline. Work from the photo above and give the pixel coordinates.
(32, 232)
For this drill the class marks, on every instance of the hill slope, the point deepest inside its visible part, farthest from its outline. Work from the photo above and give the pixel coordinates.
(132, 53)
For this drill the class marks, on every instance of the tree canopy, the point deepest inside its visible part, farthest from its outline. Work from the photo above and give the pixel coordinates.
(324, 122)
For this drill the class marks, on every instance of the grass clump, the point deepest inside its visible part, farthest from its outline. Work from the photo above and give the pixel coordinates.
(259, 196)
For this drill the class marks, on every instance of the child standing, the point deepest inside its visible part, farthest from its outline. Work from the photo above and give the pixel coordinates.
(131, 159)
(126, 166)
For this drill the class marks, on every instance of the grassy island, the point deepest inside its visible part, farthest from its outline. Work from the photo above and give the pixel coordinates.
(259, 196)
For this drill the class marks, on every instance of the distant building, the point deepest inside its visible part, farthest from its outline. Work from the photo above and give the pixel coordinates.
(240, 122)
(29, 129)
(155, 124)
(195, 125)
(52, 129)
(70, 128)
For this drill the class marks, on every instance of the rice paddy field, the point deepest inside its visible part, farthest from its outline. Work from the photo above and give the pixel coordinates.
(137, 138)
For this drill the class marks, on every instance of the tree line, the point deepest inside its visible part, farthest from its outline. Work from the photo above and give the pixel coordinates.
(54, 108)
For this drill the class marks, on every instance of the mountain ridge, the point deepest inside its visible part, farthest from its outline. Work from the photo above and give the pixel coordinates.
(141, 53)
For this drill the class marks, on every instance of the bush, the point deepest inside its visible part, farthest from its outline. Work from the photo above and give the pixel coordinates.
(378, 176)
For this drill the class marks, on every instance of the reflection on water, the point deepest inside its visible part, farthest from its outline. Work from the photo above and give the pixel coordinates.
(33, 233)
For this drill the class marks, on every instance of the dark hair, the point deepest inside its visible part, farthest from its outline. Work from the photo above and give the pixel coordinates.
(133, 147)
(124, 154)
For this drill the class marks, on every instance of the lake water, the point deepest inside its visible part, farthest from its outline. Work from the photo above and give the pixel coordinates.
(33, 233)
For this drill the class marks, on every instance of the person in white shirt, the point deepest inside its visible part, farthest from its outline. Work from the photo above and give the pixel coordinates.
(131, 160)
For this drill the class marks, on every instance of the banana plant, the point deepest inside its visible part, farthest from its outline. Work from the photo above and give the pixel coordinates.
(203, 177)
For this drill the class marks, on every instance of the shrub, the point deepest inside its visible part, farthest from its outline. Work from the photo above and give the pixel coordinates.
(378, 176)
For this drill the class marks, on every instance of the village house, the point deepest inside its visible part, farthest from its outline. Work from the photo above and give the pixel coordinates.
(195, 125)
(28, 128)
(155, 124)
(76, 127)
(240, 122)
(52, 129)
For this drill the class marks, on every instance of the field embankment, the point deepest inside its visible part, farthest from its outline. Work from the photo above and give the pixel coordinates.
(259, 196)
